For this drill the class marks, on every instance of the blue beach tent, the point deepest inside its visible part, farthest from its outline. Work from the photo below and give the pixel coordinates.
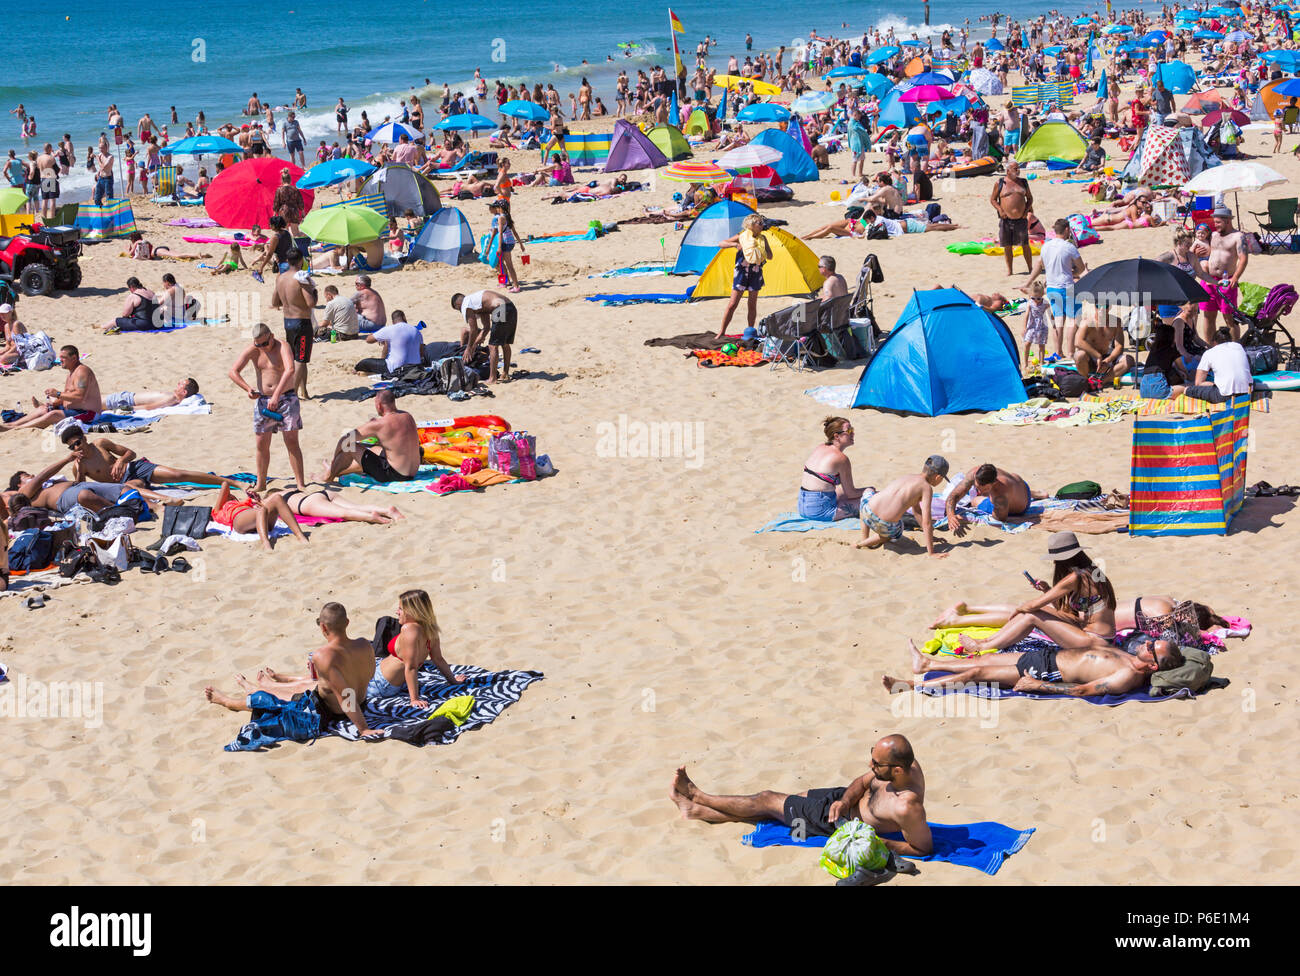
(944, 355)
(795, 165)
(714, 225)
(446, 238)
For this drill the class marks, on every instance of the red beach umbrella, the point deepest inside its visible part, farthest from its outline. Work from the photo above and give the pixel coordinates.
(241, 196)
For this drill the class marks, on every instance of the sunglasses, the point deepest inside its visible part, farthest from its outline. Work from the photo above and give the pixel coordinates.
(262, 345)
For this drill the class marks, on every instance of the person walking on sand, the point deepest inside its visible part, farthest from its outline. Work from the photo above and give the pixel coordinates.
(752, 252)
(295, 295)
(277, 410)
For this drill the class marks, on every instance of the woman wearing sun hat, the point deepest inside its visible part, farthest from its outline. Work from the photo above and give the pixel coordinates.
(1076, 610)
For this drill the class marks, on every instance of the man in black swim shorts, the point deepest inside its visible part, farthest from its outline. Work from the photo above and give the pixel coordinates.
(295, 294)
(395, 454)
(890, 796)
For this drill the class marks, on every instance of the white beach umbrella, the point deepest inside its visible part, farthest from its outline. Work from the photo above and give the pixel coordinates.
(749, 156)
(1234, 178)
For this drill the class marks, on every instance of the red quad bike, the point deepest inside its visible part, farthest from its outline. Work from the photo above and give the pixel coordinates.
(39, 262)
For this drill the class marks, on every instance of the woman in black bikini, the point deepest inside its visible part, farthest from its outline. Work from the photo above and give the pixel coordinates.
(826, 490)
(323, 503)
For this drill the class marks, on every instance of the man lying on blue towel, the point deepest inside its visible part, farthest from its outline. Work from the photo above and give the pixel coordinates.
(889, 796)
(1051, 671)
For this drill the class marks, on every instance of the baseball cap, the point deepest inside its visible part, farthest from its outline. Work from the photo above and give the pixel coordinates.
(938, 464)
(6, 308)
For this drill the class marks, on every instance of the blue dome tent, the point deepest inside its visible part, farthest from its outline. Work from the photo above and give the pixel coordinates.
(944, 355)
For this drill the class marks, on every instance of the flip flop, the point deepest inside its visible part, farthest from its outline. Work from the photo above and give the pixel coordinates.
(181, 565)
(35, 602)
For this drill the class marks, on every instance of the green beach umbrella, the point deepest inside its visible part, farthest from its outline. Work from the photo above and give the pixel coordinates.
(344, 225)
(12, 199)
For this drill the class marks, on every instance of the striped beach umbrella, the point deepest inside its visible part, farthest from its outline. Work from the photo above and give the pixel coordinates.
(393, 132)
(690, 172)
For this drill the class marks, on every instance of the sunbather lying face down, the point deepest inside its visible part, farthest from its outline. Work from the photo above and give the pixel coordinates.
(1095, 671)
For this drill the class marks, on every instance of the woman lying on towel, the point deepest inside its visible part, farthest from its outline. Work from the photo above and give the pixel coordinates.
(255, 514)
(1077, 610)
(826, 491)
(324, 504)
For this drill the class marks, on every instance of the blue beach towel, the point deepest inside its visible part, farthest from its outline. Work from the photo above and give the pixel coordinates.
(794, 522)
(655, 297)
(985, 690)
(982, 846)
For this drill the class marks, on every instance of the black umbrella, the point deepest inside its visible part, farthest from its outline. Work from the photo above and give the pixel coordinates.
(1138, 282)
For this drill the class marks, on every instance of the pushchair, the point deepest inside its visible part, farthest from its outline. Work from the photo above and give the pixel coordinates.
(1265, 327)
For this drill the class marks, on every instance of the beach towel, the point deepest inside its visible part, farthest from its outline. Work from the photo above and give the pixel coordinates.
(692, 340)
(196, 222)
(657, 298)
(986, 690)
(35, 581)
(167, 201)
(493, 692)
(716, 357)
(590, 235)
(834, 396)
(635, 271)
(983, 846)
(794, 522)
(1040, 410)
(426, 478)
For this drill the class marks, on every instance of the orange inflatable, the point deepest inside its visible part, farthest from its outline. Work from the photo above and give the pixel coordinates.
(453, 440)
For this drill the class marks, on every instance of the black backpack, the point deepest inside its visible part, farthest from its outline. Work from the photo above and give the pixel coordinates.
(1070, 383)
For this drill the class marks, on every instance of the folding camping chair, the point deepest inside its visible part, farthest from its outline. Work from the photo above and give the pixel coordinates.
(862, 311)
(787, 334)
(1275, 233)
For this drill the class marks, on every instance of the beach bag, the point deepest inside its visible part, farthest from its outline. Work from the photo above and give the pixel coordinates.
(1262, 359)
(1195, 671)
(501, 448)
(74, 559)
(128, 508)
(854, 845)
(1081, 228)
(29, 517)
(113, 552)
(190, 521)
(32, 549)
(37, 350)
(1080, 489)
(1070, 383)
(454, 375)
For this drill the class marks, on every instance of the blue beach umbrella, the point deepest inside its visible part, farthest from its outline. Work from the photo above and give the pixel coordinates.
(764, 112)
(1155, 37)
(911, 43)
(1207, 35)
(881, 54)
(995, 45)
(1287, 88)
(876, 84)
(467, 121)
(1082, 22)
(845, 71)
(956, 105)
(334, 171)
(519, 109)
(940, 78)
(1053, 52)
(1237, 35)
(201, 145)
(1118, 29)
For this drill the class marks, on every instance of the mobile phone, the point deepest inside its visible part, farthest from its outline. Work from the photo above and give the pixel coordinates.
(1032, 582)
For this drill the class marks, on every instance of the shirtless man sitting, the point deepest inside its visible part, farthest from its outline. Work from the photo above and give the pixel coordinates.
(834, 286)
(371, 313)
(150, 399)
(395, 458)
(1008, 493)
(882, 512)
(79, 397)
(1099, 349)
(105, 461)
(890, 797)
(338, 673)
(1077, 673)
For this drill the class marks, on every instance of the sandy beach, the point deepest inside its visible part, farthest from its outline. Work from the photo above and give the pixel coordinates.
(669, 632)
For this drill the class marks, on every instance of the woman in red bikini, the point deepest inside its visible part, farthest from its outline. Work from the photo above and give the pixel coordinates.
(255, 514)
(398, 673)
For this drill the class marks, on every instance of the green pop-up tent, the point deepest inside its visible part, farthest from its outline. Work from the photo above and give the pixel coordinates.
(1058, 140)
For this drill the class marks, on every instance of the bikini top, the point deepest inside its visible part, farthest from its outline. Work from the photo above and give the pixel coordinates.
(392, 647)
(833, 479)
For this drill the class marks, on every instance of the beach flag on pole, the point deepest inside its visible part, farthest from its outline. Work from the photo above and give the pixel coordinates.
(674, 28)
(676, 24)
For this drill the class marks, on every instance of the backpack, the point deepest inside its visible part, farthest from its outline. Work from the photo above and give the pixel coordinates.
(454, 375)
(1080, 489)
(1070, 383)
(32, 549)
(1262, 359)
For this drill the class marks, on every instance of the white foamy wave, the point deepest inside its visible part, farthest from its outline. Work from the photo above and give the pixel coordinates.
(903, 29)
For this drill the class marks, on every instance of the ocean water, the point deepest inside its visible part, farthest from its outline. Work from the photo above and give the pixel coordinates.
(75, 57)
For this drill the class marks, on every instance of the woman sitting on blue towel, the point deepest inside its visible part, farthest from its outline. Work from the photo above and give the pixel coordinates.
(826, 491)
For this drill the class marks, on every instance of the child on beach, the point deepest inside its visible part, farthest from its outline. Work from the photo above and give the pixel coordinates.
(233, 261)
(504, 225)
(883, 511)
(1038, 320)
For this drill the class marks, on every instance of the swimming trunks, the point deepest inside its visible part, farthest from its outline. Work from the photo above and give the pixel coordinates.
(377, 467)
(1013, 231)
(502, 332)
(288, 407)
(808, 813)
(1040, 664)
(68, 499)
(893, 531)
(298, 333)
(114, 402)
(141, 469)
(1221, 299)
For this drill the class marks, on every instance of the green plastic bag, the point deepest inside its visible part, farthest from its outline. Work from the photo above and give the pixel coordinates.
(854, 845)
